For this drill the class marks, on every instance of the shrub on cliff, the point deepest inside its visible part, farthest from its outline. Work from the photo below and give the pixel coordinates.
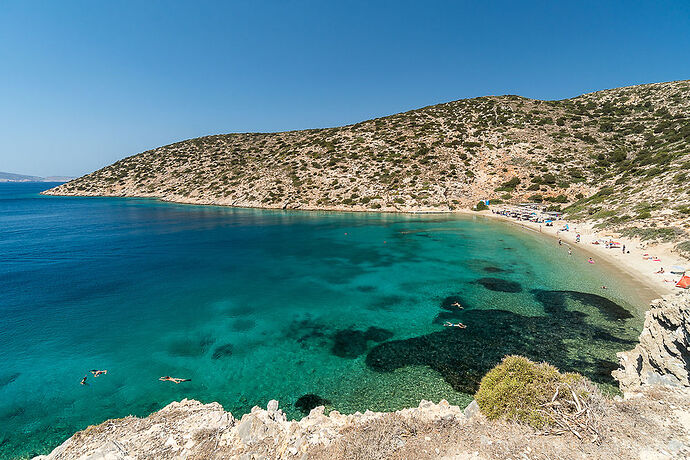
(537, 394)
(481, 206)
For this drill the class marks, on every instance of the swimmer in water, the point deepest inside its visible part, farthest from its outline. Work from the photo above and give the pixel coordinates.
(603, 287)
(570, 252)
(83, 381)
(167, 378)
(449, 324)
(96, 372)
(591, 261)
(456, 304)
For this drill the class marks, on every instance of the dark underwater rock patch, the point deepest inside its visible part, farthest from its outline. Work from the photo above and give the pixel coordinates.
(500, 285)
(444, 316)
(9, 378)
(309, 401)
(351, 343)
(190, 347)
(242, 325)
(377, 334)
(447, 303)
(366, 288)
(223, 351)
(608, 337)
(463, 356)
(493, 269)
(12, 412)
(307, 332)
(451, 313)
(554, 301)
(608, 307)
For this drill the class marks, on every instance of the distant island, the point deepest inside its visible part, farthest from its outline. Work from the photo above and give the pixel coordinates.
(12, 177)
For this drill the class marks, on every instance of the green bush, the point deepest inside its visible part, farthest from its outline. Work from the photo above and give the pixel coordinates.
(509, 186)
(512, 183)
(481, 206)
(665, 234)
(536, 198)
(518, 389)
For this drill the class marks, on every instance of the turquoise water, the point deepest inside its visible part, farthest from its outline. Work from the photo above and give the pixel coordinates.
(255, 305)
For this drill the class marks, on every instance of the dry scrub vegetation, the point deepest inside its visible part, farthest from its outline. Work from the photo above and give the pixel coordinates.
(619, 157)
(538, 395)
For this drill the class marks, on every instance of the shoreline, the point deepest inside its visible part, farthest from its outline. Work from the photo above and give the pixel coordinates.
(636, 268)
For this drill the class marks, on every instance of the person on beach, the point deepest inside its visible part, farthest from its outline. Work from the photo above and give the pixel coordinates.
(449, 324)
(83, 381)
(661, 270)
(96, 372)
(167, 378)
(623, 249)
(456, 304)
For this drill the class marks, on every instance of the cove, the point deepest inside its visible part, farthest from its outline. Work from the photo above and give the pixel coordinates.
(343, 309)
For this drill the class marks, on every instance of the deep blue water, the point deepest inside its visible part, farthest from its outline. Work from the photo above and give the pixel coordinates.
(254, 305)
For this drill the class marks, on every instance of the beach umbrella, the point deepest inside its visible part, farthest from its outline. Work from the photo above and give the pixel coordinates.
(677, 269)
(684, 282)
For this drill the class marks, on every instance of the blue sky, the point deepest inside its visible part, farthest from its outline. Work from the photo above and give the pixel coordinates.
(84, 83)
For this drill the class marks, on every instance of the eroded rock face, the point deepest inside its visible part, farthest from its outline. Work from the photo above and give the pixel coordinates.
(191, 429)
(663, 355)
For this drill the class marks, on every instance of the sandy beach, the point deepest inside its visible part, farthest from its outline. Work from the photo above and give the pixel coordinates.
(633, 261)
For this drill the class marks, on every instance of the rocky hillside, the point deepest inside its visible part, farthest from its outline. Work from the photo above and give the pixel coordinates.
(620, 156)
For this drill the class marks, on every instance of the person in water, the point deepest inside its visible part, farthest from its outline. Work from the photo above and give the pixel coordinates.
(591, 261)
(456, 304)
(449, 324)
(167, 378)
(96, 372)
(570, 252)
(83, 381)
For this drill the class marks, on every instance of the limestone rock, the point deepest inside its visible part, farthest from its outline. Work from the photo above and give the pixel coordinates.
(663, 355)
(472, 409)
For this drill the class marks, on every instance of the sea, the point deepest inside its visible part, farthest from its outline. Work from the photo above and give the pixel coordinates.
(340, 309)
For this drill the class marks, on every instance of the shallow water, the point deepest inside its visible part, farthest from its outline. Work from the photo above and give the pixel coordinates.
(253, 305)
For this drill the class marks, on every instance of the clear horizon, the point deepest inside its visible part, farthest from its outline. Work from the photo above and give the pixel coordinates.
(86, 84)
